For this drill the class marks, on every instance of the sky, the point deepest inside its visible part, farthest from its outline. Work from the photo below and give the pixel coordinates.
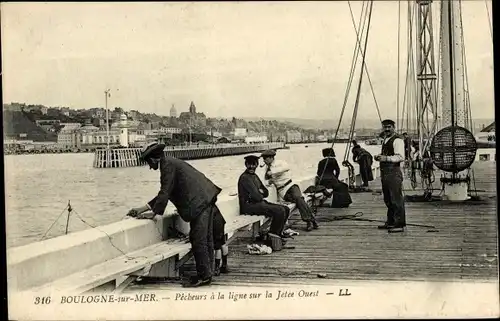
(242, 59)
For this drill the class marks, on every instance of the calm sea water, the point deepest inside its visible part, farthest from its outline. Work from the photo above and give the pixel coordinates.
(38, 188)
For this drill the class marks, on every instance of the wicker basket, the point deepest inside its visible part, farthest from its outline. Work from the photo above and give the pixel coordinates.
(276, 242)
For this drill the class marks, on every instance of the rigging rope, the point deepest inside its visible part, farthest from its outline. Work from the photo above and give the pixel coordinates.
(489, 18)
(349, 83)
(346, 162)
(365, 65)
(399, 36)
(409, 58)
(356, 103)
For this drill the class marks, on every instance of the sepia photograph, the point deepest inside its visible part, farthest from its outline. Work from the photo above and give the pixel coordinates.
(250, 160)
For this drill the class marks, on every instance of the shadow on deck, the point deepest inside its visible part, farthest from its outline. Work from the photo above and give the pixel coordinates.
(462, 246)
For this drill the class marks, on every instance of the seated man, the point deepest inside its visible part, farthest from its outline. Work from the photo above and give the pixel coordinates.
(251, 194)
(278, 174)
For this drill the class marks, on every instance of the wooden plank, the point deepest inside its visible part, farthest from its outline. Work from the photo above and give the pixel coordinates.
(465, 246)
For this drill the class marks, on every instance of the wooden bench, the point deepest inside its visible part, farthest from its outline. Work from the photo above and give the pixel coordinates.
(142, 262)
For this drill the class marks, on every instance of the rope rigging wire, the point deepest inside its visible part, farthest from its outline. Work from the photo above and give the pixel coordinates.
(489, 18)
(357, 50)
(470, 171)
(397, 90)
(356, 103)
(346, 162)
(365, 65)
(349, 83)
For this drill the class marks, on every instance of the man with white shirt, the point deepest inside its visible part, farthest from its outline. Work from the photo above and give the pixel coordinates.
(278, 173)
(390, 158)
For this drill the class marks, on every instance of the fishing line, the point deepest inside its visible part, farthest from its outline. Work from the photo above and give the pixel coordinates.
(53, 223)
(111, 240)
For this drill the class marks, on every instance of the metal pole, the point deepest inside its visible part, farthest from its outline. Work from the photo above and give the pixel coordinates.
(106, 94)
(67, 220)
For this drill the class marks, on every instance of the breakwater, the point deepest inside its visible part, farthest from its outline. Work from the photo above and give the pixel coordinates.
(129, 157)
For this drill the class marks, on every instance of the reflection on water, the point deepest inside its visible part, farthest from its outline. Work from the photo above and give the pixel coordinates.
(38, 188)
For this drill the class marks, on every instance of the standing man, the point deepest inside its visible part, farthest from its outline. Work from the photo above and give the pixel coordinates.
(252, 194)
(392, 155)
(278, 173)
(365, 161)
(194, 196)
(407, 144)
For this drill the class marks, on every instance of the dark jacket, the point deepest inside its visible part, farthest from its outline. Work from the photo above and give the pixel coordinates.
(188, 189)
(359, 153)
(248, 190)
(332, 168)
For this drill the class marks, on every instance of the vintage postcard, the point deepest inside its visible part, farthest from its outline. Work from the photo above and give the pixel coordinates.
(250, 160)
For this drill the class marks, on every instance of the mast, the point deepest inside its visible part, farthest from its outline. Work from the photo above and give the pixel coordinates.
(453, 93)
(426, 74)
(452, 76)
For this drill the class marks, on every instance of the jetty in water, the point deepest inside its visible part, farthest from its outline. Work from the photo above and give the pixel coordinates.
(129, 157)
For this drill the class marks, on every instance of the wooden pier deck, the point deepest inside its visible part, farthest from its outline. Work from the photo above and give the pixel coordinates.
(463, 245)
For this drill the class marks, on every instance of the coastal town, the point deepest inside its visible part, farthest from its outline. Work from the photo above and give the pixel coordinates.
(41, 129)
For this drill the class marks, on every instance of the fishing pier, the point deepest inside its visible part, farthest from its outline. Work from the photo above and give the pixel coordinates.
(444, 241)
(129, 157)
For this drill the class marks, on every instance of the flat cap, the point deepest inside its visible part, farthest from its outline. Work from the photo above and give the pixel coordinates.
(388, 122)
(252, 159)
(151, 150)
(268, 153)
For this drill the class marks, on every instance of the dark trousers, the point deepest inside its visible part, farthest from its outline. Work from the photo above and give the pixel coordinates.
(202, 241)
(219, 233)
(392, 187)
(340, 197)
(294, 195)
(278, 214)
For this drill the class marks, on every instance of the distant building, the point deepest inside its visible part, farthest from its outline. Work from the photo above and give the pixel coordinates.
(293, 136)
(192, 117)
(256, 139)
(170, 130)
(240, 132)
(67, 138)
(69, 126)
(173, 111)
(133, 114)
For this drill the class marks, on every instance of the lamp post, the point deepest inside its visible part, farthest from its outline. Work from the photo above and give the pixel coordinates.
(106, 95)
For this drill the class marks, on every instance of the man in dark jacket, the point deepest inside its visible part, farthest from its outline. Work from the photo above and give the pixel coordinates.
(251, 194)
(390, 158)
(365, 161)
(194, 196)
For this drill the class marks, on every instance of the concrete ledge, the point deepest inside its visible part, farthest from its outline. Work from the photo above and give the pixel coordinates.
(41, 262)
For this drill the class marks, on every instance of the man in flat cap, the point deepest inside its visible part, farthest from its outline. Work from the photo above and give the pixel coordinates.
(390, 158)
(194, 196)
(278, 173)
(252, 194)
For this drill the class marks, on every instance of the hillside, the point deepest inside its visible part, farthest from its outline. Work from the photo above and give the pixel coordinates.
(360, 123)
(16, 122)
